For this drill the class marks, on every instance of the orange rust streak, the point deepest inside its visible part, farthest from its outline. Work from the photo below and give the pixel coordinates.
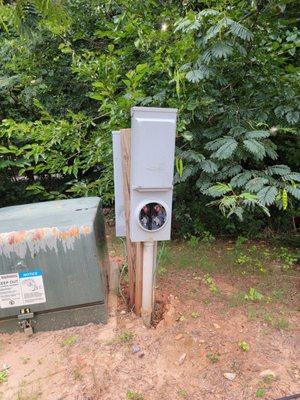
(86, 230)
(74, 231)
(38, 234)
(13, 238)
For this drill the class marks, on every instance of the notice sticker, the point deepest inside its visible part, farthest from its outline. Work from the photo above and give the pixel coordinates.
(21, 289)
(32, 287)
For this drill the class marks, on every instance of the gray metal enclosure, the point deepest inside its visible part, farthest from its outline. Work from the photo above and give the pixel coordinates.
(59, 247)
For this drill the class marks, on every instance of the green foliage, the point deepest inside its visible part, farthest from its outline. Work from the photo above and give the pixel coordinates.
(134, 395)
(287, 258)
(208, 280)
(195, 314)
(243, 259)
(125, 337)
(162, 257)
(70, 72)
(3, 375)
(193, 241)
(70, 341)
(183, 393)
(244, 346)
(260, 392)
(253, 295)
(207, 237)
(240, 241)
(122, 338)
(213, 357)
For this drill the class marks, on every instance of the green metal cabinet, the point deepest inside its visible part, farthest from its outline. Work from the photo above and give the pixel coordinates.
(53, 265)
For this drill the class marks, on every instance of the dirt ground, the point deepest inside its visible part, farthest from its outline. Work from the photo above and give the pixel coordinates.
(212, 325)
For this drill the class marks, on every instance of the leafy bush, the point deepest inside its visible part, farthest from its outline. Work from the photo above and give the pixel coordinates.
(230, 70)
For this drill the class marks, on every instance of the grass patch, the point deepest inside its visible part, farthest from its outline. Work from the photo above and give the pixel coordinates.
(162, 258)
(276, 322)
(207, 301)
(213, 357)
(182, 393)
(130, 395)
(237, 299)
(253, 313)
(70, 341)
(244, 346)
(282, 324)
(3, 376)
(278, 294)
(210, 283)
(253, 295)
(268, 379)
(124, 337)
(195, 314)
(260, 392)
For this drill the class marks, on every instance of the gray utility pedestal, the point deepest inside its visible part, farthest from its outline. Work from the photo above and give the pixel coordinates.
(53, 265)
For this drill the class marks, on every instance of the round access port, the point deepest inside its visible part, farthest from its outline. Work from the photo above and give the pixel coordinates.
(152, 216)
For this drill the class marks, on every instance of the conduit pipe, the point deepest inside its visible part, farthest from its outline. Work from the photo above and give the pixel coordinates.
(148, 281)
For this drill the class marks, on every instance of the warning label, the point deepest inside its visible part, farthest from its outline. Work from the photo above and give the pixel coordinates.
(21, 289)
(10, 291)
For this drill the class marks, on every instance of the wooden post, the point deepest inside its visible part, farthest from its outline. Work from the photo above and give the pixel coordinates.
(126, 157)
(134, 250)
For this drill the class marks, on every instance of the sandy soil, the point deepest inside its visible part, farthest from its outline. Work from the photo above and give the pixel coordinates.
(184, 357)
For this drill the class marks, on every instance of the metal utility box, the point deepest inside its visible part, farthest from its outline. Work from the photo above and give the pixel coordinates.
(53, 265)
(153, 133)
(119, 186)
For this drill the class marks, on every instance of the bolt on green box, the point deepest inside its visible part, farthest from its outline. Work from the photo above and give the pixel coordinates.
(53, 265)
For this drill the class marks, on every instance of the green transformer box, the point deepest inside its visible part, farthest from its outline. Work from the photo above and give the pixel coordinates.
(53, 265)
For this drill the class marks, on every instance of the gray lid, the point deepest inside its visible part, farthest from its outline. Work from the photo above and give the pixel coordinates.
(59, 213)
(153, 109)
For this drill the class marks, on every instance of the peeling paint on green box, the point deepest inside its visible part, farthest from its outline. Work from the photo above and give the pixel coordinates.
(41, 238)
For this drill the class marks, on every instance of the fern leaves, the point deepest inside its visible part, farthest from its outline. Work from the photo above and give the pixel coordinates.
(255, 147)
(231, 26)
(221, 50)
(219, 189)
(224, 147)
(196, 75)
(267, 195)
(239, 30)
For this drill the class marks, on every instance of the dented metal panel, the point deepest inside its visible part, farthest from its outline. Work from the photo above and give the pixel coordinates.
(66, 241)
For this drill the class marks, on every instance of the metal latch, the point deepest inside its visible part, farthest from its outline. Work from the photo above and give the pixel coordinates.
(25, 320)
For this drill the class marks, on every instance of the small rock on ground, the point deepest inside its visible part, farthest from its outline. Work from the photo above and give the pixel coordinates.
(266, 373)
(229, 375)
(135, 349)
(182, 359)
